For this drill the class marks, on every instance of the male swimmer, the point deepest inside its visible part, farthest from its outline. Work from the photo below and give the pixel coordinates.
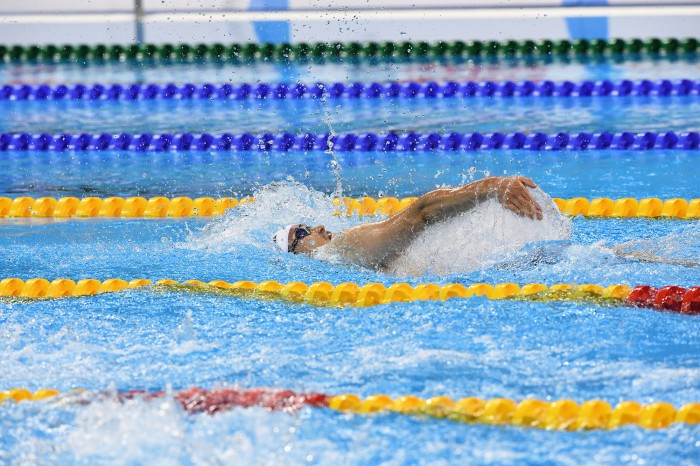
(377, 244)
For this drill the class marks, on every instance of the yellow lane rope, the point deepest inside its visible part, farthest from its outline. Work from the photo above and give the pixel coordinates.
(320, 293)
(550, 415)
(159, 207)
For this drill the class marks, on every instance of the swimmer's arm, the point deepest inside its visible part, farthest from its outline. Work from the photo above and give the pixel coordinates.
(512, 192)
(377, 244)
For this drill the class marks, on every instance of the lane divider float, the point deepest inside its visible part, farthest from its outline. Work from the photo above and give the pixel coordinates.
(285, 52)
(669, 298)
(159, 207)
(629, 207)
(349, 142)
(564, 414)
(355, 90)
(131, 207)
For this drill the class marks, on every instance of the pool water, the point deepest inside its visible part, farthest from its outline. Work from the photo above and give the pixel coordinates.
(347, 70)
(482, 114)
(164, 339)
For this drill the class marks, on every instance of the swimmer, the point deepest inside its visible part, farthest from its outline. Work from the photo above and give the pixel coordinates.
(377, 244)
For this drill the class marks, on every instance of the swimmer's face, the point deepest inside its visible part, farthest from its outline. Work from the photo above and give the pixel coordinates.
(304, 243)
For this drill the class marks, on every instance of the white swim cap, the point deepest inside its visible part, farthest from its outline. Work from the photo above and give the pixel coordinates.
(281, 237)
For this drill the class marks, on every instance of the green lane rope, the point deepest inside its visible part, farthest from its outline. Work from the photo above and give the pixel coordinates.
(352, 50)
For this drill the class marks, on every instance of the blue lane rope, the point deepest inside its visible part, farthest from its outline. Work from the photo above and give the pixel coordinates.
(364, 142)
(355, 90)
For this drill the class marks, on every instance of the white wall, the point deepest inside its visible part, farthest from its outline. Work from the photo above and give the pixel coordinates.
(113, 21)
(74, 6)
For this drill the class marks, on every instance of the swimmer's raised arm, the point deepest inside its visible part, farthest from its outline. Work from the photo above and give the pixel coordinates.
(511, 192)
(377, 244)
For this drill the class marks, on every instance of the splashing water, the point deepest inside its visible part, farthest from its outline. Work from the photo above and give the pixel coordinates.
(679, 248)
(336, 168)
(465, 243)
(479, 237)
(276, 205)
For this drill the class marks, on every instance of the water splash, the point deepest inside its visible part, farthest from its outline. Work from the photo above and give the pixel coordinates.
(679, 248)
(276, 205)
(186, 341)
(113, 432)
(479, 237)
(335, 166)
(185, 331)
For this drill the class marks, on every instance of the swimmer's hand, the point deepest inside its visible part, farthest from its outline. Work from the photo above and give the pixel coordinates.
(514, 195)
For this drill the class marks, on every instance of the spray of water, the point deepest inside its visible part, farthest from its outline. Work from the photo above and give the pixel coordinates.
(479, 237)
(336, 168)
(679, 248)
(276, 205)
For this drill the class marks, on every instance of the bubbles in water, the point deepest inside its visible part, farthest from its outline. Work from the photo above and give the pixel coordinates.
(112, 429)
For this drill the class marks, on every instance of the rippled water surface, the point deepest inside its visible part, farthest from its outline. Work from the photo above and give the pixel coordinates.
(483, 114)
(681, 67)
(615, 174)
(169, 339)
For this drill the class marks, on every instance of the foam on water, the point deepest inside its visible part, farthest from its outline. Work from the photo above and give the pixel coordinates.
(681, 247)
(115, 431)
(479, 237)
(276, 205)
(137, 432)
(160, 433)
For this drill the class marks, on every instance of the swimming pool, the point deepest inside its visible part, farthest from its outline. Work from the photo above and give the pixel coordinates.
(169, 338)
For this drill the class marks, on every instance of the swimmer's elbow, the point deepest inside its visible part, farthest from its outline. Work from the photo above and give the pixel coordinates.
(420, 213)
(432, 208)
(436, 206)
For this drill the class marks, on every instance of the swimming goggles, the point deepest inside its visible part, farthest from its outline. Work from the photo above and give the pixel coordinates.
(300, 233)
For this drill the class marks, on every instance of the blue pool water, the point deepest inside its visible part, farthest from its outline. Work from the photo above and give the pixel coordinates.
(440, 70)
(608, 173)
(523, 114)
(156, 339)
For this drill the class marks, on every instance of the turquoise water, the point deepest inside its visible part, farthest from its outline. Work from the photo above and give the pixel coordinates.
(150, 339)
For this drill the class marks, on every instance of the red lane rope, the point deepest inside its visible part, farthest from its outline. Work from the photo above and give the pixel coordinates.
(668, 298)
(198, 400)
